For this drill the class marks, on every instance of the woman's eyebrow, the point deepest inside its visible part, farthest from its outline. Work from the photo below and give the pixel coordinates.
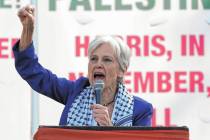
(93, 55)
(108, 56)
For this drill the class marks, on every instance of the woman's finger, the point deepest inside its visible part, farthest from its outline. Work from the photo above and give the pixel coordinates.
(101, 122)
(96, 106)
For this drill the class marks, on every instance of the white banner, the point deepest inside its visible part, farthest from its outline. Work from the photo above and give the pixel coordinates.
(15, 116)
(169, 43)
(169, 40)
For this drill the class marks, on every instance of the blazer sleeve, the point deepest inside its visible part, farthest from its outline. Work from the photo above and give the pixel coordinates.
(142, 112)
(39, 78)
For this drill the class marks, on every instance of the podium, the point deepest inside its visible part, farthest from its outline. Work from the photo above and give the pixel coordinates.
(111, 133)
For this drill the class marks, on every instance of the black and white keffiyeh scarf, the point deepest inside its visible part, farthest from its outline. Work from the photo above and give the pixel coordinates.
(80, 113)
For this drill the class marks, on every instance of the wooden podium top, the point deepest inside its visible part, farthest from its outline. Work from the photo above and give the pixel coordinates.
(111, 133)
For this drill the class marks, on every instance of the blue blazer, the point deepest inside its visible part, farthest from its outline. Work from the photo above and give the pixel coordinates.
(62, 90)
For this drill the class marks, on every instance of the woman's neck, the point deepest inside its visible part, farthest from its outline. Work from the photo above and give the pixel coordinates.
(108, 95)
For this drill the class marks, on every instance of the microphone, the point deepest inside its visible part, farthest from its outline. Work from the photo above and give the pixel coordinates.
(98, 88)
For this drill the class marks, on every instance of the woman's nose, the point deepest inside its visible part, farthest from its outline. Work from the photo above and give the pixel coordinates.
(99, 64)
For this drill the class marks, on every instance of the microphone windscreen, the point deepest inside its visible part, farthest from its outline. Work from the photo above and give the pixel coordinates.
(98, 88)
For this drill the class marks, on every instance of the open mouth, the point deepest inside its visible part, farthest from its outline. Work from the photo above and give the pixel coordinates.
(99, 75)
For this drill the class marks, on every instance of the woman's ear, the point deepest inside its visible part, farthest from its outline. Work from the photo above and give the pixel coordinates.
(122, 73)
(120, 76)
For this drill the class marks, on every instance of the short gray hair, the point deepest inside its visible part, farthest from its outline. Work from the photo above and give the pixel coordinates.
(123, 53)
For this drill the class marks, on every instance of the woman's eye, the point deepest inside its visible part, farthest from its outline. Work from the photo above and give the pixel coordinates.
(107, 60)
(93, 59)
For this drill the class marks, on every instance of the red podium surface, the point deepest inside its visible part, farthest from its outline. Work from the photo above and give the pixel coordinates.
(111, 133)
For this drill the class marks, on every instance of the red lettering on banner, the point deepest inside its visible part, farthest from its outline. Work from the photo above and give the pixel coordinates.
(163, 81)
(82, 45)
(6, 47)
(196, 46)
(167, 112)
(196, 78)
(134, 43)
(190, 46)
(154, 118)
(149, 45)
(156, 43)
(144, 82)
(147, 83)
(180, 81)
(3, 47)
(167, 118)
(145, 46)
(73, 76)
(208, 90)
(160, 82)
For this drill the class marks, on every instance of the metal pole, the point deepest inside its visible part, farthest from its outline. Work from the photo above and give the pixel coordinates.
(34, 94)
